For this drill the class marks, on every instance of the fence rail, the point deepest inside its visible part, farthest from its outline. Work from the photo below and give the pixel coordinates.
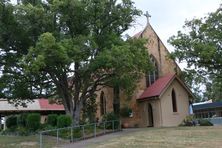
(80, 132)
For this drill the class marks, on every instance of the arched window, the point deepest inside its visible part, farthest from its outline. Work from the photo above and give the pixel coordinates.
(152, 76)
(174, 101)
(102, 104)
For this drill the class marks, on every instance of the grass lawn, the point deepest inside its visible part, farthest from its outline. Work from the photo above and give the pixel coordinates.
(24, 142)
(178, 137)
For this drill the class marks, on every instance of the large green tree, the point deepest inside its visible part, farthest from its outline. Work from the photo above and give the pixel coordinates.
(68, 48)
(201, 47)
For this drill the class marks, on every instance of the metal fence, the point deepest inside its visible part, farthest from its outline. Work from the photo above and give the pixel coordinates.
(76, 133)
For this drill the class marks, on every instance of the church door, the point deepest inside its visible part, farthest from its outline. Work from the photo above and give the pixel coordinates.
(150, 115)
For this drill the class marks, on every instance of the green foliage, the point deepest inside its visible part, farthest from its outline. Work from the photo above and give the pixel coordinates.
(201, 48)
(214, 89)
(48, 45)
(89, 110)
(64, 121)
(52, 120)
(205, 122)
(33, 121)
(22, 131)
(108, 118)
(125, 111)
(188, 121)
(21, 119)
(11, 122)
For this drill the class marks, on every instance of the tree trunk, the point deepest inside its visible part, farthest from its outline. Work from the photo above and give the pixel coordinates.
(76, 115)
(116, 100)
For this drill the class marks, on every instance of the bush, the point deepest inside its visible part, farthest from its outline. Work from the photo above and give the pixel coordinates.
(52, 120)
(110, 117)
(205, 122)
(33, 121)
(64, 121)
(11, 121)
(22, 131)
(125, 111)
(188, 121)
(21, 119)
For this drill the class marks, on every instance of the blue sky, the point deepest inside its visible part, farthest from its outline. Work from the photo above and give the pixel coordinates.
(168, 16)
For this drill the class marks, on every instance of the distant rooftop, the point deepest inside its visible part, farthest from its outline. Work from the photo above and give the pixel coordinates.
(37, 105)
(207, 105)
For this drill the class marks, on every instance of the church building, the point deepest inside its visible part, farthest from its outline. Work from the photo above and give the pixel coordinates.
(161, 98)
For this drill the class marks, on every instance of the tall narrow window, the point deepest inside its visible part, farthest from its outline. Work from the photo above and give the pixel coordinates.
(152, 76)
(174, 101)
(102, 104)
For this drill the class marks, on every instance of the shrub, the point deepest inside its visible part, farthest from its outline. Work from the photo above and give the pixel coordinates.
(11, 121)
(125, 111)
(22, 131)
(205, 122)
(21, 119)
(110, 117)
(188, 121)
(33, 121)
(52, 120)
(64, 121)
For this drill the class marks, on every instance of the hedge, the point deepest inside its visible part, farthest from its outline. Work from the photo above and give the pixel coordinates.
(64, 121)
(52, 119)
(33, 121)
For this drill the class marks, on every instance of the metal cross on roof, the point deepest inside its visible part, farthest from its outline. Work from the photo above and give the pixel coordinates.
(147, 16)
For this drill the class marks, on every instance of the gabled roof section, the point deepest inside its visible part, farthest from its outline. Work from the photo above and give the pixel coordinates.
(160, 86)
(141, 35)
(157, 87)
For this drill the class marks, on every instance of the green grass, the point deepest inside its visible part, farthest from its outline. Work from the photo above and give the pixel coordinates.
(25, 142)
(49, 140)
(178, 137)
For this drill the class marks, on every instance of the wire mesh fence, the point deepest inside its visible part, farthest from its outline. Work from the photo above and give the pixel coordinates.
(76, 133)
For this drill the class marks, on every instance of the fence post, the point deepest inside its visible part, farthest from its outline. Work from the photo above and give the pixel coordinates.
(57, 136)
(120, 123)
(113, 125)
(40, 140)
(83, 131)
(95, 130)
(71, 134)
(104, 127)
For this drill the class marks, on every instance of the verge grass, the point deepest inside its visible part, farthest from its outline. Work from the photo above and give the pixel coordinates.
(177, 137)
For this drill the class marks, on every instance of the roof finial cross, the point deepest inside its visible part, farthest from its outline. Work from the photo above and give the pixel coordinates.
(147, 15)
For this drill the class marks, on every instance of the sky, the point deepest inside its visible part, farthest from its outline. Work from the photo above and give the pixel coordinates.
(168, 16)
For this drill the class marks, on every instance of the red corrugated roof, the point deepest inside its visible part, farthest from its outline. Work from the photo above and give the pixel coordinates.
(44, 105)
(157, 87)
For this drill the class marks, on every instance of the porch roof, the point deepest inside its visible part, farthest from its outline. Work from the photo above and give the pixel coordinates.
(157, 87)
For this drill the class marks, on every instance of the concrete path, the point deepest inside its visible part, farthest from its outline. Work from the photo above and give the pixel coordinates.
(100, 139)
